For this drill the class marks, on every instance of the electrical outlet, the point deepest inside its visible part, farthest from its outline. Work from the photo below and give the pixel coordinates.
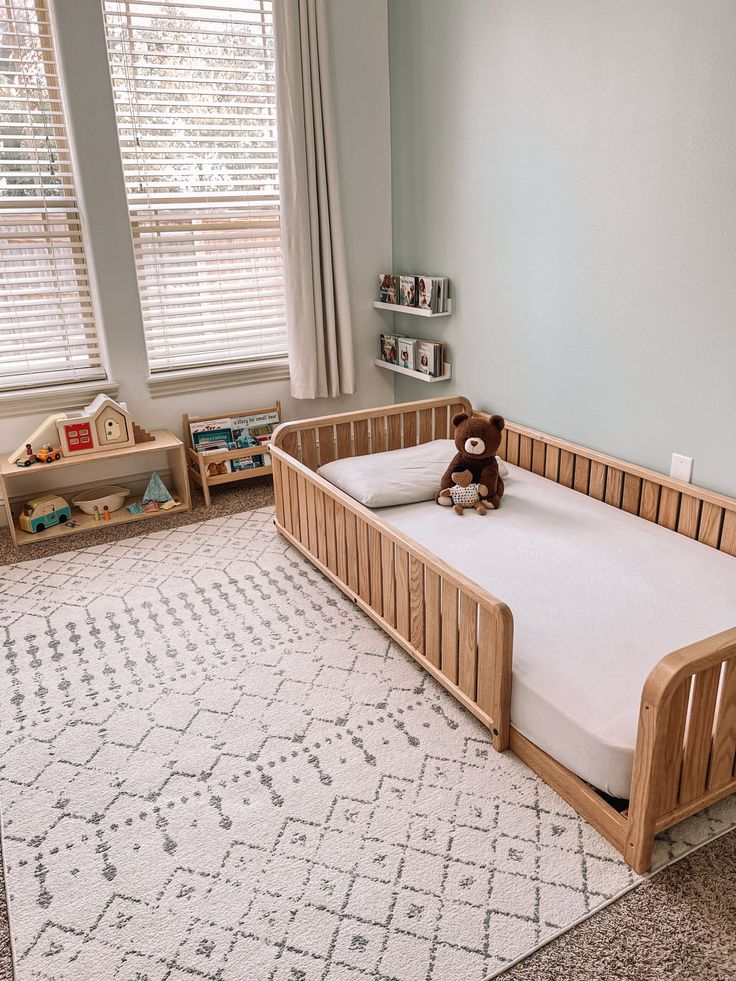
(682, 467)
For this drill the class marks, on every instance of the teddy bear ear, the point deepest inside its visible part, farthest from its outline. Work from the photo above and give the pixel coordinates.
(460, 417)
(498, 422)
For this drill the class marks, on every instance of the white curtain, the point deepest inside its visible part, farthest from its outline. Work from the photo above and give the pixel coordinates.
(317, 301)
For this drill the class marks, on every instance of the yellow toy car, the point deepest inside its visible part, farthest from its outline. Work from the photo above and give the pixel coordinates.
(48, 454)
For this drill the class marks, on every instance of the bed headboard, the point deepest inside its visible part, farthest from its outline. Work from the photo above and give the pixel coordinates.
(315, 442)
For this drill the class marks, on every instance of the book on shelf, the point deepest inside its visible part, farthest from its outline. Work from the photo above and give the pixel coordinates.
(408, 291)
(407, 352)
(388, 288)
(429, 357)
(389, 352)
(429, 293)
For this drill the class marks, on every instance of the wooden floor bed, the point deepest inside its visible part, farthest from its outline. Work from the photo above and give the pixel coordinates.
(463, 635)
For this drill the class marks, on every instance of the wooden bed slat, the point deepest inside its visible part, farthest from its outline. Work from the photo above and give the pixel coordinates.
(724, 733)
(388, 577)
(538, 456)
(341, 542)
(343, 432)
(689, 517)
(278, 492)
(394, 432)
(351, 550)
(416, 604)
(632, 494)
(552, 464)
(669, 786)
(449, 631)
(402, 592)
(364, 562)
(321, 529)
(728, 534)
(294, 495)
(669, 506)
(468, 650)
(382, 431)
(327, 449)
(425, 425)
(597, 488)
(503, 445)
(360, 435)
(433, 622)
(525, 452)
(649, 505)
(441, 422)
(374, 569)
(330, 532)
(409, 426)
(308, 439)
(311, 518)
(614, 486)
(512, 448)
(486, 681)
(711, 520)
(567, 468)
(698, 735)
(582, 474)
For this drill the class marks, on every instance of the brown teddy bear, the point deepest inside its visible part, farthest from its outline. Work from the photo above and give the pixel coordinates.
(476, 440)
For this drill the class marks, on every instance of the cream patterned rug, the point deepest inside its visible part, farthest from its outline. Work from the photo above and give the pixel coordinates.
(213, 766)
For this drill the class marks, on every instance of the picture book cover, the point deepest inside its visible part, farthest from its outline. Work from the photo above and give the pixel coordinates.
(427, 293)
(387, 288)
(407, 352)
(389, 350)
(408, 291)
(426, 357)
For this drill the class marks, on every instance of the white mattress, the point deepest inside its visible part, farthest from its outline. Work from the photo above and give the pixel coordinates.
(598, 597)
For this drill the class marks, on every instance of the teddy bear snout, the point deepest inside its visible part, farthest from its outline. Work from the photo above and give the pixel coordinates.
(474, 446)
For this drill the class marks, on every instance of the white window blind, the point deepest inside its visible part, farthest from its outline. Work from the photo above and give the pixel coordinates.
(47, 325)
(194, 88)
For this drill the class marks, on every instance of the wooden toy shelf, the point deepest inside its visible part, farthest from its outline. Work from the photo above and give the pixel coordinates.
(199, 462)
(17, 489)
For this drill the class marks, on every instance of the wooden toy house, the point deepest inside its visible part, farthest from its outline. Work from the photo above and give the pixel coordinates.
(103, 425)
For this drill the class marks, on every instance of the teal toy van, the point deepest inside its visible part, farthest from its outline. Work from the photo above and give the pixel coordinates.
(44, 512)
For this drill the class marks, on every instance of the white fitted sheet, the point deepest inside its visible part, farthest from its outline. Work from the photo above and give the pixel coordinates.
(598, 597)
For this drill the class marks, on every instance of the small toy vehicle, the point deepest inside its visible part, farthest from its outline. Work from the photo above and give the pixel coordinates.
(48, 454)
(44, 512)
(26, 461)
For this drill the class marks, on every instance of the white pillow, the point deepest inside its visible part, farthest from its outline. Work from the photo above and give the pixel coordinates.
(382, 480)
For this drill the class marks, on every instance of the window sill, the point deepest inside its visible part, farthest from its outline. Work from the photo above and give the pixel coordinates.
(54, 398)
(217, 376)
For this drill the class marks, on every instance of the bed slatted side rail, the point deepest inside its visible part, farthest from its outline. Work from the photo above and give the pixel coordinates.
(462, 635)
(315, 442)
(686, 746)
(689, 510)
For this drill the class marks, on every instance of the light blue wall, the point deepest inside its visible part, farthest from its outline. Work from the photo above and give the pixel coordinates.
(571, 165)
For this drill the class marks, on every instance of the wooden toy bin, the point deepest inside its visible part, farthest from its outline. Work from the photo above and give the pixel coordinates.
(197, 463)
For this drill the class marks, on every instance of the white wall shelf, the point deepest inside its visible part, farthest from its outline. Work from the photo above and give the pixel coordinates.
(413, 311)
(417, 375)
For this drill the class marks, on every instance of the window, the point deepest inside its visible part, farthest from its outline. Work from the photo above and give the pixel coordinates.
(47, 324)
(194, 89)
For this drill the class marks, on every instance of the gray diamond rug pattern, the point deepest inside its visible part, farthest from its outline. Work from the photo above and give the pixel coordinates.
(214, 766)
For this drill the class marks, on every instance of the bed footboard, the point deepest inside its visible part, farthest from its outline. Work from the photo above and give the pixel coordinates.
(686, 744)
(462, 635)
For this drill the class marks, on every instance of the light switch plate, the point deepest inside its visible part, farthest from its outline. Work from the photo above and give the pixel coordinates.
(682, 467)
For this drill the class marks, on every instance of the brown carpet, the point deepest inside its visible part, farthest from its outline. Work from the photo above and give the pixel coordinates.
(678, 926)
